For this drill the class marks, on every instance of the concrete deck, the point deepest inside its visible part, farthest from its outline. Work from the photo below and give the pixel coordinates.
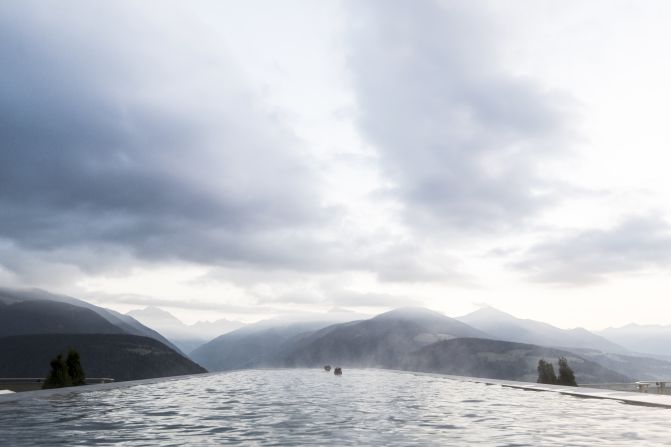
(628, 397)
(41, 394)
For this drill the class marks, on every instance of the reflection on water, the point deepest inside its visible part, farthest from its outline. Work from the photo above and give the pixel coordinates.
(288, 407)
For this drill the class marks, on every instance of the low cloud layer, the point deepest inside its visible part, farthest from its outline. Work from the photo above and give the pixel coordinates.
(461, 141)
(129, 127)
(142, 140)
(590, 256)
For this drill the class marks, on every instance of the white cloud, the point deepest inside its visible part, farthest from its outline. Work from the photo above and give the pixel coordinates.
(267, 157)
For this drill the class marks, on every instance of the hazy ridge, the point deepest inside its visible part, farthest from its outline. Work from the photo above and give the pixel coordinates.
(485, 343)
(35, 326)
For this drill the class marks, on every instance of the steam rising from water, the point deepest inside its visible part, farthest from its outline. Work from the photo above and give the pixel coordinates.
(289, 407)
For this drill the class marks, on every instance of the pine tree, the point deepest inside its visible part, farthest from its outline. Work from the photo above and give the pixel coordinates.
(58, 376)
(566, 376)
(75, 369)
(546, 372)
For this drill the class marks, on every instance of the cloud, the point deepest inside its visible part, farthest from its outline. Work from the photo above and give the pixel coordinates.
(130, 127)
(186, 304)
(132, 136)
(338, 296)
(589, 256)
(462, 141)
(352, 298)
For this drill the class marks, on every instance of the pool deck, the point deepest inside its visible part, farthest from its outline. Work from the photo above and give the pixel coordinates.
(628, 397)
(40, 394)
(633, 398)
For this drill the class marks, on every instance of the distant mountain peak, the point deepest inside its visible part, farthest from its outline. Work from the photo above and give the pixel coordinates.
(411, 312)
(508, 327)
(492, 311)
(153, 313)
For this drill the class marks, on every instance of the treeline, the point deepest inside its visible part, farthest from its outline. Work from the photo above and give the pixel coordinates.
(546, 373)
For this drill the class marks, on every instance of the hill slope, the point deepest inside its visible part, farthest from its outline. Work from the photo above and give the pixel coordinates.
(637, 367)
(50, 317)
(412, 339)
(497, 359)
(119, 356)
(257, 345)
(504, 326)
(124, 323)
(378, 342)
(647, 339)
(186, 337)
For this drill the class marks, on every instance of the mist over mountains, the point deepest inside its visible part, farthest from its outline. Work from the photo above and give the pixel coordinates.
(185, 337)
(504, 326)
(118, 356)
(255, 346)
(421, 340)
(378, 342)
(497, 359)
(36, 325)
(647, 339)
(124, 323)
(484, 343)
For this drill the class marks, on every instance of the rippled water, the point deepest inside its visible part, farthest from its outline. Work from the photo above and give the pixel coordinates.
(363, 407)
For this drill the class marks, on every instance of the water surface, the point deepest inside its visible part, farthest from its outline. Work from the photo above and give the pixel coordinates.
(300, 406)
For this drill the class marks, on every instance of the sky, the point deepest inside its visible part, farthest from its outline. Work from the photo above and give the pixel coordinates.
(246, 160)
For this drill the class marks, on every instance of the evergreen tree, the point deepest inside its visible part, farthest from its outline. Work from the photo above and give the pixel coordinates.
(58, 376)
(75, 369)
(566, 376)
(546, 372)
(65, 372)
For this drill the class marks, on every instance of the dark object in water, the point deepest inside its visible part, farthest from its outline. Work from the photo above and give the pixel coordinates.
(327, 368)
(338, 371)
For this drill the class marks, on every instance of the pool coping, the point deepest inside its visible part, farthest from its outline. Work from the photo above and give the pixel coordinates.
(37, 394)
(627, 397)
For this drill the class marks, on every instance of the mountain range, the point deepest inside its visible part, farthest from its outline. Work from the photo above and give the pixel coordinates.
(124, 323)
(118, 356)
(495, 359)
(254, 346)
(35, 326)
(185, 337)
(409, 339)
(647, 339)
(629, 341)
(381, 341)
(485, 343)
(503, 326)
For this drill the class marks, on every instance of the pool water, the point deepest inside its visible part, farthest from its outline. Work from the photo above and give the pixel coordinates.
(313, 407)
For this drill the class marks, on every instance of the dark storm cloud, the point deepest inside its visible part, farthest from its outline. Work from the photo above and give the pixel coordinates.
(589, 256)
(128, 127)
(460, 139)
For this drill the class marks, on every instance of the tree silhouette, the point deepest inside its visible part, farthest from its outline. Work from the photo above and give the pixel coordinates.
(58, 376)
(75, 369)
(566, 376)
(65, 372)
(546, 372)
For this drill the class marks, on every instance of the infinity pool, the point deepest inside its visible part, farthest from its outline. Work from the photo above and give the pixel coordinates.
(300, 406)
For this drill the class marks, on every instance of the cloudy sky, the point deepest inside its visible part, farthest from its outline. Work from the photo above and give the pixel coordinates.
(250, 159)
